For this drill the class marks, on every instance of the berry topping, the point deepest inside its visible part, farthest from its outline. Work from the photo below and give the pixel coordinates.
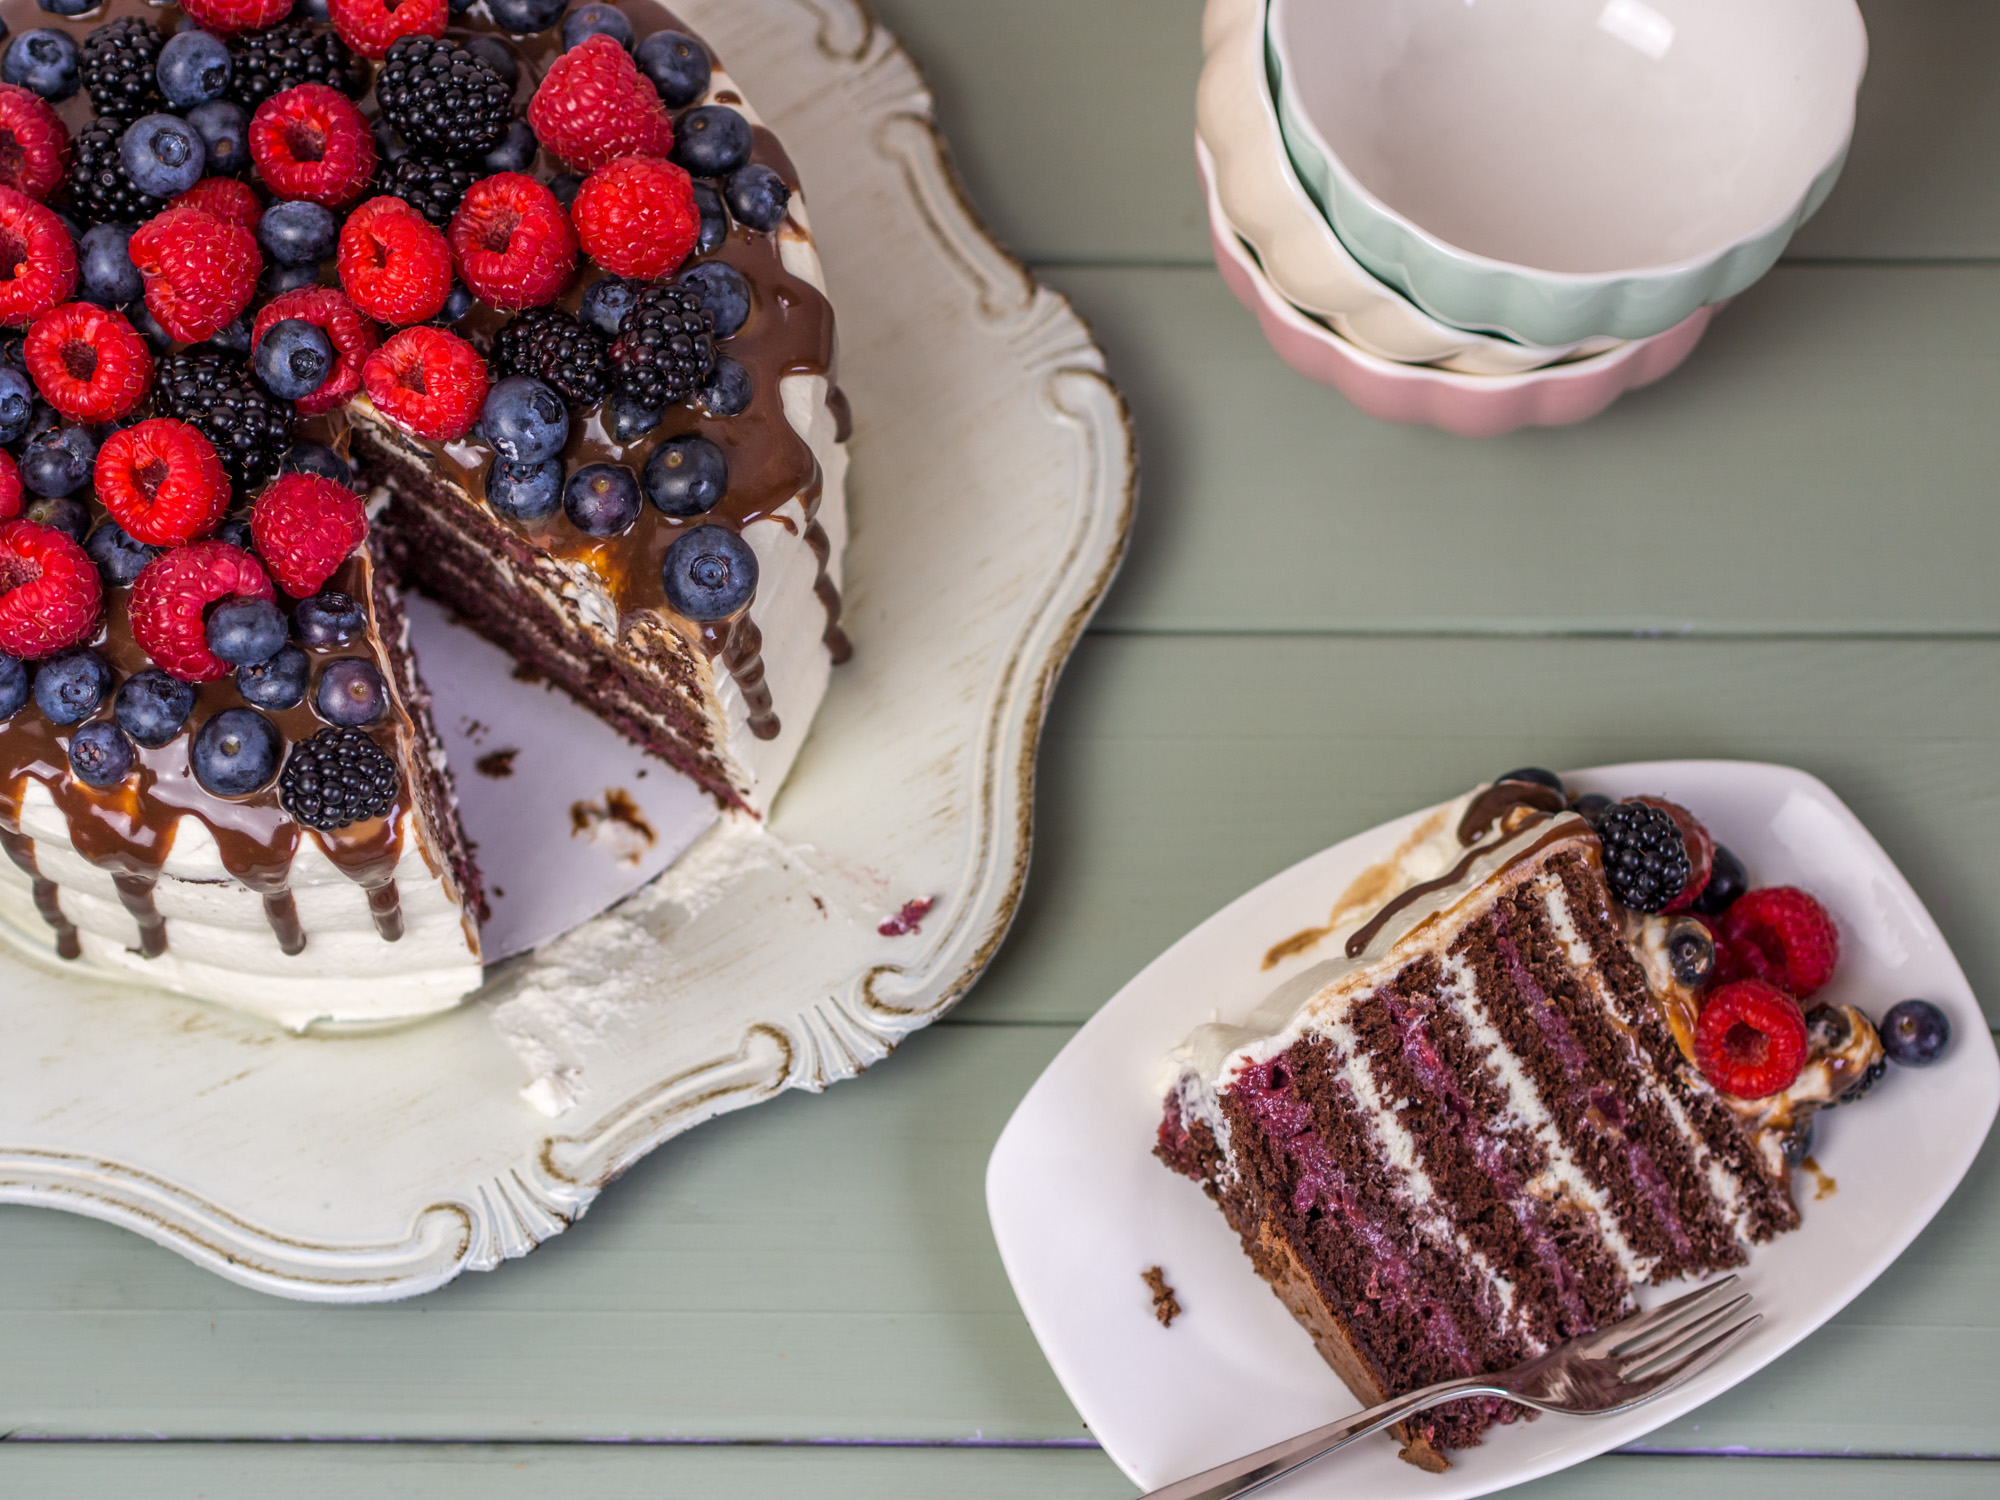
(200, 271)
(118, 61)
(171, 599)
(49, 592)
(433, 188)
(1750, 1040)
(162, 481)
(723, 292)
(100, 755)
(1690, 952)
(269, 62)
(10, 487)
(317, 458)
(372, 27)
(524, 16)
(596, 19)
(594, 104)
(120, 556)
(1915, 1033)
(306, 527)
(70, 517)
(444, 99)
(153, 706)
(193, 68)
(72, 685)
(1727, 880)
(226, 16)
(686, 477)
(513, 243)
(212, 390)
(338, 777)
(605, 303)
(329, 619)
(225, 130)
(602, 499)
(727, 391)
(34, 143)
(524, 492)
(245, 631)
(1700, 849)
(277, 682)
(709, 574)
(636, 216)
(236, 752)
(227, 199)
(428, 382)
(42, 61)
(88, 362)
(524, 420)
(292, 358)
(311, 142)
(758, 196)
(666, 349)
(714, 219)
(713, 141)
(1781, 935)
(17, 405)
(1645, 857)
(38, 257)
(351, 692)
(552, 347)
(677, 64)
(162, 154)
(56, 461)
(99, 188)
(393, 262)
(516, 153)
(298, 233)
(352, 338)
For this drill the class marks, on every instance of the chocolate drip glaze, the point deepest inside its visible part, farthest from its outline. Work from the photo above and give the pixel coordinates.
(740, 644)
(136, 891)
(281, 910)
(21, 850)
(1366, 933)
(1501, 798)
(386, 907)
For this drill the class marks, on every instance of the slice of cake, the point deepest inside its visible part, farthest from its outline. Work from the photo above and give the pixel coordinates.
(1469, 1134)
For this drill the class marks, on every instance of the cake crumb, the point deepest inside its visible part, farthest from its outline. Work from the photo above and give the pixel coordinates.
(527, 671)
(498, 764)
(1823, 1185)
(1165, 1307)
(906, 921)
(617, 823)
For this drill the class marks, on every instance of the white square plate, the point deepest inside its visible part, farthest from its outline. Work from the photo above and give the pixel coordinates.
(1080, 1206)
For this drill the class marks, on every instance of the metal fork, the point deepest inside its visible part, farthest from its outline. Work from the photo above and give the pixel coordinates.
(1611, 1370)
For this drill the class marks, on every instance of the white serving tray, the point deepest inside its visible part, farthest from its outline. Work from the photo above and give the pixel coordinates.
(1080, 1206)
(991, 496)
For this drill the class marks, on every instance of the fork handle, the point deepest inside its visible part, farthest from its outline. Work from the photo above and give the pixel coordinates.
(1241, 1475)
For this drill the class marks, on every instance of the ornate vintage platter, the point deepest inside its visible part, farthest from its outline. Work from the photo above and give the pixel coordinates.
(991, 497)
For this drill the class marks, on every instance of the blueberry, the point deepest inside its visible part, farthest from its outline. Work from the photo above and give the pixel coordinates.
(225, 135)
(63, 513)
(329, 618)
(709, 573)
(678, 66)
(1915, 1033)
(626, 420)
(237, 752)
(1590, 807)
(1727, 879)
(388, 145)
(57, 460)
(317, 458)
(524, 492)
(314, 10)
(724, 293)
(109, 277)
(727, 391)
(237, 534)
(516, 151)
(13, 687)
(602, 499)
(351, 692)
(193, 68)
(67, 7)
(153, 706)
(595, 20)
(757, 195)
(1860, 1087)
(1534, 775)
(148, 328)
(712, 141)
(293, 358)
(298, 233)
(70, 685)
(1796, 1143)
(100, 755)
(277, 280)
(566, 185)
(497, 55)
(686, 476)
(1690, 952)
(457, 303)
(242, 630)
(524, 420)
(523, 16)
(43, 62)
(162, 154)
(714, 219)
(120, 557)
(277, 683)
(234, 335)
(17, 403)
(605, 303)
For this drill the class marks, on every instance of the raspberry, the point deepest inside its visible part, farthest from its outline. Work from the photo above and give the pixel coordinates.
(371, 27)
(162, 481)
(200, 271)
(10, 487)
(1783, 936)
(226, 16)
(393, 262)
(428, 382)
(305, 526)
(34, 143)
(637, 216)
(352, 336)
(39, 257)
(512, 242)
(1750, 1039)
(172, 596)
(226, 198)
(594, 104)
(88, 362)
(1700, 850)
(311, 142)
(49, 591)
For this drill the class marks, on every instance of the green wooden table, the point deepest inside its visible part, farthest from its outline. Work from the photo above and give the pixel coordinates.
(1786, 551)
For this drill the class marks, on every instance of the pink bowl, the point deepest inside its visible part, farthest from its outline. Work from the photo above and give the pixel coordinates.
(1469, 405)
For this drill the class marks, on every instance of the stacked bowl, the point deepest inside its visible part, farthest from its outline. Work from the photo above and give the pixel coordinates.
(1486, 214)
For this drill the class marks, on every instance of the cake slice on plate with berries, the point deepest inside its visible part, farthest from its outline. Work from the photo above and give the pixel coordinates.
(547, 339)
(1560, 1052)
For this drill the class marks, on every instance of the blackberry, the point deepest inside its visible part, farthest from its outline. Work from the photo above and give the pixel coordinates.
(263, 63)
(445, 100)
(433, 188)
(118, 68)
(665, 347)
(99, 188)
(1645, 857)
(250, 428)
(558, 351)
(339, 776)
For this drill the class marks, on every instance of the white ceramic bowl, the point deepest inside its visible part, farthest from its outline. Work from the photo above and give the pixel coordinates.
(1552, 169)
(1305, 260)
